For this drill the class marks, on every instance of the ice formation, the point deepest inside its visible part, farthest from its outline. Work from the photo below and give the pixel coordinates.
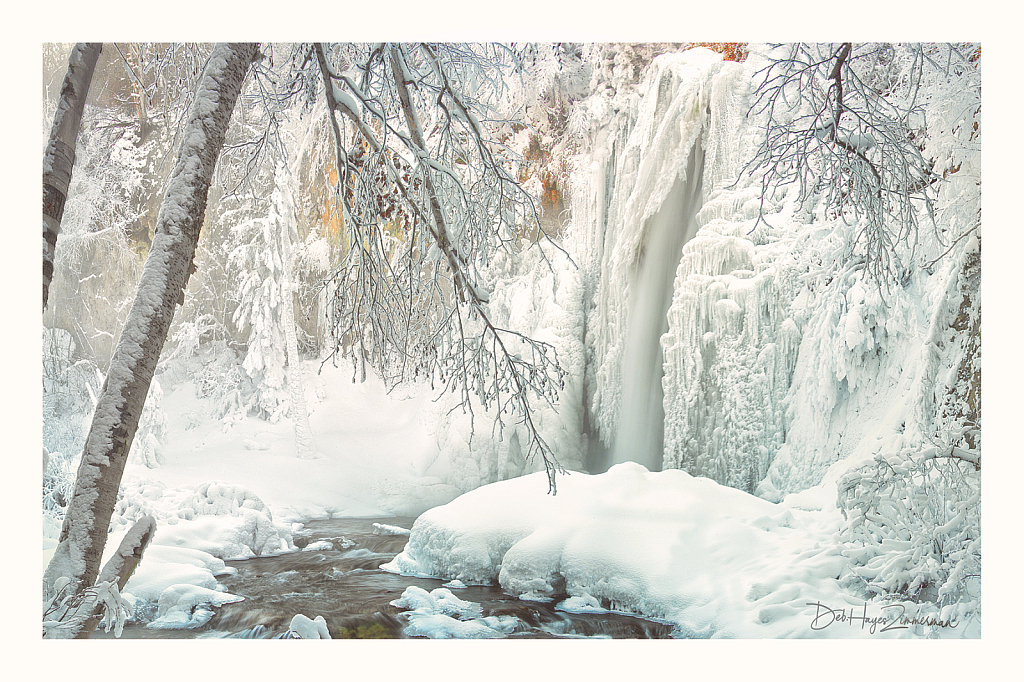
(692, 349)
(773, 357)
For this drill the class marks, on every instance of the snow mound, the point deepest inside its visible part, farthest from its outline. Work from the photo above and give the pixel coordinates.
(305, 628)
(228, 521)
(188, 606)
(715, 560)
(439, 614)
(163, 566)
(228, 537)
(440, 601)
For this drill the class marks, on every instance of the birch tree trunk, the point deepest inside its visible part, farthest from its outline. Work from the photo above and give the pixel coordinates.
(59, 157)
(161, 287)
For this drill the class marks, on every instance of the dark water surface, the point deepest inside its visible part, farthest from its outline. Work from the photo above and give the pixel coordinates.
(345, 586)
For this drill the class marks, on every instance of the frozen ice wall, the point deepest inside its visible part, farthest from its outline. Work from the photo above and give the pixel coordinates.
(679, 288)
(713, 329)
(769, 357)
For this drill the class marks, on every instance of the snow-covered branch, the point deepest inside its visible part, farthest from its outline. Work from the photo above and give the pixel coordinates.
(426, 202)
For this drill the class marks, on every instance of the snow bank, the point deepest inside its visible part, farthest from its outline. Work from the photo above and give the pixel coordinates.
(439, 614)
(715, 560)
(163, 567)
(180, 582)
(188, 606)
(305, 628)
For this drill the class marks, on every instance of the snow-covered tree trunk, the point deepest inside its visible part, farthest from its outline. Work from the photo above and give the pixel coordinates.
(162, 286)
(59, 157)
(119, 568)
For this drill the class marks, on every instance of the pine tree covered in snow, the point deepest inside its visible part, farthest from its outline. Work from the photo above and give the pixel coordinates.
(265, 260)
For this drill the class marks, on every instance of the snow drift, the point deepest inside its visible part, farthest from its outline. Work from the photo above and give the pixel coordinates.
(715, 560)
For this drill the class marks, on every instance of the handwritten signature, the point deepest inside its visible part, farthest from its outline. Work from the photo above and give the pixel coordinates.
(893, 617)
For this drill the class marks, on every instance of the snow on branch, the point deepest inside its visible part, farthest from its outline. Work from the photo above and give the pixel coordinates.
(844, 124)
(913, 526)
(427, 200)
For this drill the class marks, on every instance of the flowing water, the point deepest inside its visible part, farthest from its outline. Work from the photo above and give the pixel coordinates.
(345, 586)
(641, 430)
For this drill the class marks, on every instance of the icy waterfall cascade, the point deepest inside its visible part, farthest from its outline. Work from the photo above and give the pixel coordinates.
(657, 152)
(640, 433)
(693, 349)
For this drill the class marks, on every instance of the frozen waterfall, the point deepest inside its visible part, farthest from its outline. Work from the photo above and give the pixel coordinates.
(640, 433)
(692, 350)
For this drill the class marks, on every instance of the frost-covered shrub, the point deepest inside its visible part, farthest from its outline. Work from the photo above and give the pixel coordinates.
(58, 483)
(913, 527)
(217, 374)
(250, 532)
(222, 381)
(66, 612)
(136, 498)
(70, 387)
(191, 334)
(217, 498)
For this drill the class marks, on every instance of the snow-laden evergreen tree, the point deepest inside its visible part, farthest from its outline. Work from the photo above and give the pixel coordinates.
(265, 259)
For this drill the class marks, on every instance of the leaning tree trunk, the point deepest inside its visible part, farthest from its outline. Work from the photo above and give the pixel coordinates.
(161, 287)
(59, 158)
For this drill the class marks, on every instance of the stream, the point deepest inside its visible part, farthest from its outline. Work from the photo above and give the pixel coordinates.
(345, 586)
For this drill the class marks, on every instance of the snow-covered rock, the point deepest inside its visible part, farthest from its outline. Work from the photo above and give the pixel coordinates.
(715, 560)
(188, 606)
(439, 614)
(306, 628)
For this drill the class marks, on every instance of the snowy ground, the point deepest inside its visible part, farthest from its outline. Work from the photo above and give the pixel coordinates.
(229, 492)
(714, 560)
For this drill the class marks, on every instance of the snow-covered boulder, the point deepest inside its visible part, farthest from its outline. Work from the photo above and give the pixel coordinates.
(715, 560)
(304, 627)
(188, 606)
(439, 614)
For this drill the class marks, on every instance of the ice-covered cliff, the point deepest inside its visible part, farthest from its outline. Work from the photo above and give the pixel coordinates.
(680, 286)
(736, 335)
